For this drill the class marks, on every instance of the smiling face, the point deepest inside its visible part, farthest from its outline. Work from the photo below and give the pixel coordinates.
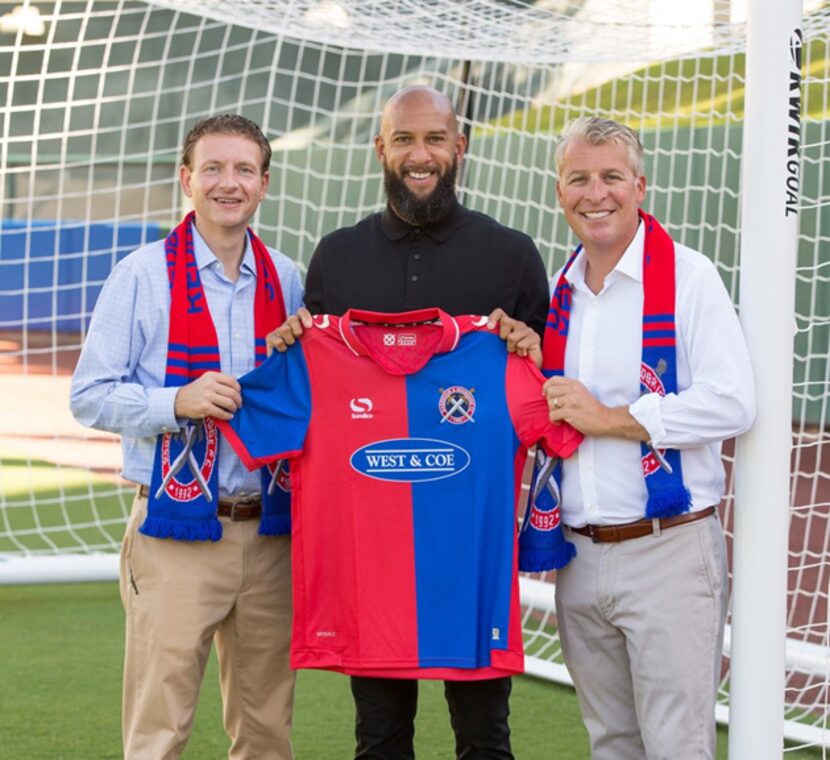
(225, 181)
(420, 148)
(600, 193)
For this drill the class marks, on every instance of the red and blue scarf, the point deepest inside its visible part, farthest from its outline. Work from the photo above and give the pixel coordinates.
(184, 488)
(667, 495)
(542, 543)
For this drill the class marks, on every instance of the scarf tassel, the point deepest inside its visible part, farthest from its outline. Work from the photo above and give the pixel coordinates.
(275, 525)
(542, 560)
(667, 501)
(179, 530)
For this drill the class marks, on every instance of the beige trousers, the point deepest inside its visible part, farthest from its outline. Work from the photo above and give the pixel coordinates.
(180, 596)
(641, 624)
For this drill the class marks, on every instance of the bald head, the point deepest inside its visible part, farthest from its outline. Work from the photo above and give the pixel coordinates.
(420, 98)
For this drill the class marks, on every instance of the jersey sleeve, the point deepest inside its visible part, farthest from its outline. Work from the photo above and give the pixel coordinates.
(529, 410)
(275, 413)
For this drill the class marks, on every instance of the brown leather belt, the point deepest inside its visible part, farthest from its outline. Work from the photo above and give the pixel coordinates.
(606, 534)
(239, 510)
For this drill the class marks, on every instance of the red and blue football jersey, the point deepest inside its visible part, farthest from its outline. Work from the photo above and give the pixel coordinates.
(407, 435)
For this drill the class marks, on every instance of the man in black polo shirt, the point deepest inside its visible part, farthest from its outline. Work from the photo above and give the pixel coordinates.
(426, 250)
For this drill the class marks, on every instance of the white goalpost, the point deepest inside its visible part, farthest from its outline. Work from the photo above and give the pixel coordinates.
(731, 98)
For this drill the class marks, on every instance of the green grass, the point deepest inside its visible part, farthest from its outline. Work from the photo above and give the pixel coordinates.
(60, 697)
(62, 649)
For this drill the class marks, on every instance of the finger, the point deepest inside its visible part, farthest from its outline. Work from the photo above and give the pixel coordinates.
(228, 381)
(291, 332)
(291, 327)
(271, 342)
(525, 341)
(277, 343)
(304, 316)
(224, 402)
(555, 416)
(219, 413)
(558, 382)
(552, 385)
(494, 318)
(535, 354)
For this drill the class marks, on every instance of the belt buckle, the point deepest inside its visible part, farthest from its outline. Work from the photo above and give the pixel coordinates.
(232, 515)
(593, 532)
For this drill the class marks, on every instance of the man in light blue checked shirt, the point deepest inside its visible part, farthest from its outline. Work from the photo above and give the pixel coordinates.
(181, 594)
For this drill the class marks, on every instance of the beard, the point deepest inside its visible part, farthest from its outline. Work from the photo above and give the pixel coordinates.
(421, 212)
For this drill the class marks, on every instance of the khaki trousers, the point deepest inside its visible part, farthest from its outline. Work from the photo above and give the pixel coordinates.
(179, 596)
(641, 624)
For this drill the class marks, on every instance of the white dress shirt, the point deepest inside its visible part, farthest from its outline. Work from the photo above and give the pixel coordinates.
(603, 484)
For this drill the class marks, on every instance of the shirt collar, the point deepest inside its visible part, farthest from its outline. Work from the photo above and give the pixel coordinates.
(205, 257)
(396, 228)
(630, 263)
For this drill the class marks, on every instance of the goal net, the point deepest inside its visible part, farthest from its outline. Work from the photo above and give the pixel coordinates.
(97, 96)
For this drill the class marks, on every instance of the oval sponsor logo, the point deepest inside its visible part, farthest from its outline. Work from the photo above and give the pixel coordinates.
(410, 460)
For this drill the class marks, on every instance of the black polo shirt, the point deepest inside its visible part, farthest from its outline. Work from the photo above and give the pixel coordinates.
(466, 264)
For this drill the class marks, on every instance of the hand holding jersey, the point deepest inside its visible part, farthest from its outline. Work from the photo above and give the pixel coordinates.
(214, 394)
(519, 337)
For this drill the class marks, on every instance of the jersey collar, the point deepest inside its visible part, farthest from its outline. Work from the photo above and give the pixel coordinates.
(449, 339)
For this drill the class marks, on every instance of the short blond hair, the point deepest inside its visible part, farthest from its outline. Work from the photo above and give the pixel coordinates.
(596, 131)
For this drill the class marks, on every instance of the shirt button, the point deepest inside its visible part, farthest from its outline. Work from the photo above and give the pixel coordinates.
(417, 256)
(414, 278)
(416, 231)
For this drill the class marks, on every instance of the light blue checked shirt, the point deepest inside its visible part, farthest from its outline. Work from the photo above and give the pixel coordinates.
(118, 384)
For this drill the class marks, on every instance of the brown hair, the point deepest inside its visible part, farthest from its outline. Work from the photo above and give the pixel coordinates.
(226, 124)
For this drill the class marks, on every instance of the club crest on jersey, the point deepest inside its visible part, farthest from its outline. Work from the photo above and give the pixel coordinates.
(650, 378)
(456, 405)
(410, 460)
(187, 461)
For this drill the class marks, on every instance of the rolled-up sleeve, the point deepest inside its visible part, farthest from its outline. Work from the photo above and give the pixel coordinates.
(719, 400)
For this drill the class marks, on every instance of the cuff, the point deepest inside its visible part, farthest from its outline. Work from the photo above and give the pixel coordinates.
(646, 410)
(161, 409)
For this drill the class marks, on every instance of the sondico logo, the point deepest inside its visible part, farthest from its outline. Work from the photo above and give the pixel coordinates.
(361, 408)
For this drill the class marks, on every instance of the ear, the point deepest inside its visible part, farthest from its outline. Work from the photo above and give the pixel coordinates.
(460, 146)
(184, 179)
(640, 186)
(380, 148)
(559, 193)
(266, 178)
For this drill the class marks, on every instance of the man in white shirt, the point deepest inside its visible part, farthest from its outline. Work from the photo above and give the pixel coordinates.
(646, 358)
